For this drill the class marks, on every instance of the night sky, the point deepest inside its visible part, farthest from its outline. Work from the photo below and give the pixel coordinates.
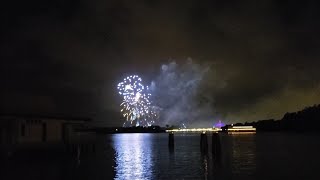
(67, 56)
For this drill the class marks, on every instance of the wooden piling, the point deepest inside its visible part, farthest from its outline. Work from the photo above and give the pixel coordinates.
(171, 140)
(204, 143)
(216, 145)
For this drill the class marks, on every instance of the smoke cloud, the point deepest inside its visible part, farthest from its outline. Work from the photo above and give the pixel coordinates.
(179, 92)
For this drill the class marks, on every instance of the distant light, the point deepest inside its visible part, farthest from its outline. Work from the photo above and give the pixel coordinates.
(195, 130)
(241, 128)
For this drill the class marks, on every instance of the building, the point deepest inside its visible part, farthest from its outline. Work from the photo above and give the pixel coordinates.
(236, 129)
(219, 125)
(19, 130)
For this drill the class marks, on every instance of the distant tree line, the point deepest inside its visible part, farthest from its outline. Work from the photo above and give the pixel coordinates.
(305, 120)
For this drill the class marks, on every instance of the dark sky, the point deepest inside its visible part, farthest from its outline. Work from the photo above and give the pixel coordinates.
(66, 56)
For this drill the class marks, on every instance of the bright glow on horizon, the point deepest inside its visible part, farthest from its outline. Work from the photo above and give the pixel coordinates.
(196, 130)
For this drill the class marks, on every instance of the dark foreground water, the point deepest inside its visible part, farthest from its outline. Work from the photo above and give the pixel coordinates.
(147, 156)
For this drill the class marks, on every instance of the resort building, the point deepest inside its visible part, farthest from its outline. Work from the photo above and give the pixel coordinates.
(28, 129)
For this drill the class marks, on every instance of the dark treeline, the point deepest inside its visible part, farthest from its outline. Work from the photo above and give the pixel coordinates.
(307, 119)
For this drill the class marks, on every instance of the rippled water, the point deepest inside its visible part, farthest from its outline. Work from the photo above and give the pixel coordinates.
(147, 156)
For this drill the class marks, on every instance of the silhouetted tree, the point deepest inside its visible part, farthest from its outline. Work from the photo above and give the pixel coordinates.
(307, 119)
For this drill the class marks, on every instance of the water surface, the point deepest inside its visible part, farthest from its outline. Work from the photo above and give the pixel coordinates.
(147, 156)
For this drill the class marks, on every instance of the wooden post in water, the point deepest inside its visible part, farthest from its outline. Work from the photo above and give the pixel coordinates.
(203, 143)
(216, 146)
(171, 140)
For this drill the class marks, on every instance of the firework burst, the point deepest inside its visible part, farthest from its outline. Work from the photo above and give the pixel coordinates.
(135, 106)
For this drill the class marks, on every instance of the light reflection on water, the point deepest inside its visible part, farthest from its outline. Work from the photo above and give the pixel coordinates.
(133, 156)
(147, 156)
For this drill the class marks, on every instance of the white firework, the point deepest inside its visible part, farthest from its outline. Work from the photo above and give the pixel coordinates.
(136, 104)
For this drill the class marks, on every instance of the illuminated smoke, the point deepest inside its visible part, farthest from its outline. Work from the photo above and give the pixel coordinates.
(179, 94)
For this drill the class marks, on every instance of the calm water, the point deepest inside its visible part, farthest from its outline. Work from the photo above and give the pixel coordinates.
(147, 156)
